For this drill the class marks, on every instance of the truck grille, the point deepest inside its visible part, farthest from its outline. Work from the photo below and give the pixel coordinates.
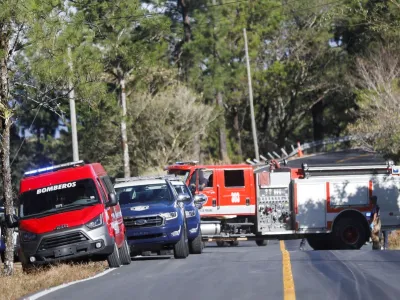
(139, 222)
(62, 240)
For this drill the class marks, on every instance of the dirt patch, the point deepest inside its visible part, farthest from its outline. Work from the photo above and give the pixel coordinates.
(21, 284)
(394, 240)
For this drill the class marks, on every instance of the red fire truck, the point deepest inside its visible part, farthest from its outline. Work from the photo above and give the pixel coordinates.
(327, 204)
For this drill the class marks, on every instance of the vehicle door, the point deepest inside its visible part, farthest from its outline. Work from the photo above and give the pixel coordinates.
(235, 193)
(386, 188)
(206, 182)
(114, 212)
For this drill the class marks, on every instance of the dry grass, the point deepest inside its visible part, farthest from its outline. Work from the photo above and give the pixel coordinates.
(394, 240)
(21, 284)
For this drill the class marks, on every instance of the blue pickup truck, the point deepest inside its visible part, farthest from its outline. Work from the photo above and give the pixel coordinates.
(157, 217)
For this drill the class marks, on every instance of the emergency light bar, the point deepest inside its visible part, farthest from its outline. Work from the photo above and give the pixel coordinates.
(54, 168)
(193, 162)
(167, 177)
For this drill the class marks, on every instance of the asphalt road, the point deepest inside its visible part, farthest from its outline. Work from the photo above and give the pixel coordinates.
(248, 272)
(355, 156)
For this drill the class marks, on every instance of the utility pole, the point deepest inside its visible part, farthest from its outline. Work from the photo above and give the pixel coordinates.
(71, 94)
(124, 133)
(253, 122)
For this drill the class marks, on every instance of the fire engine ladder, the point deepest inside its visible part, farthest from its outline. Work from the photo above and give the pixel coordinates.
(348, 169)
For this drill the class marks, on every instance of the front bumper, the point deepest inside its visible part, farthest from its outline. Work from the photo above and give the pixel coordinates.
(155, 237)
(70, 244)
(193, 228)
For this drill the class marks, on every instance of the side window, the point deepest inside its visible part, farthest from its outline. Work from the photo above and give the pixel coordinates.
(206, 178)
(107, 182)
(103, 195)
(172, 190)
(192, 180)
(234, 178)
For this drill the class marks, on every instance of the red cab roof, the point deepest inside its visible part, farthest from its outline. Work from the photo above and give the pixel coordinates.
(193, 166)
(72, 173)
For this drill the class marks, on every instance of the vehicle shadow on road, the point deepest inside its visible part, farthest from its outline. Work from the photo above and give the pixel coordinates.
(151, 257)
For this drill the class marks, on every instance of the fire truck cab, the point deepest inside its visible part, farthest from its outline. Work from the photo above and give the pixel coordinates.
(231, 197)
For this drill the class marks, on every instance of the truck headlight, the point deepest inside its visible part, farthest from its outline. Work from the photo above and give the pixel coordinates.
(27, 236)
(169, 215)
(96, 222)
(190, 213)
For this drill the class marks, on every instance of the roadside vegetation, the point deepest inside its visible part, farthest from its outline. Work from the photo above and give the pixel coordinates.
(22, 284)
(394, 240)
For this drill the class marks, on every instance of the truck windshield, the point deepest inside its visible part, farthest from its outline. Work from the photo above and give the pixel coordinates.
(182, 174)
(144, 194)
(59, 197)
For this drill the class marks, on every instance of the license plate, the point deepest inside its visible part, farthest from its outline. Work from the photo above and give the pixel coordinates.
(65, 251)
(139, 233)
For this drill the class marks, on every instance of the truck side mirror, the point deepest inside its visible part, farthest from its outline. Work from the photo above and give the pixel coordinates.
(12, 221)
(112, 200)
(183, 197)
(200, 200)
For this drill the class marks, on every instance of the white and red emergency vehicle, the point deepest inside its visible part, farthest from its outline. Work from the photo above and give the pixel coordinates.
(327, 204)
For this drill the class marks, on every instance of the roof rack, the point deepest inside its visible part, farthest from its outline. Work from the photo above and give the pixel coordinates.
(166, 177)
(54, 168)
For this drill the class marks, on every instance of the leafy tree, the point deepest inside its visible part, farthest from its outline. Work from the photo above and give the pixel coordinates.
(18, 29)
(166, 124)
(129, 43)
(377, 85)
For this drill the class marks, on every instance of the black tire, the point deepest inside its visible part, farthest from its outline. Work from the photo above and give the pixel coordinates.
(349, 233)
(196, 246)
(321, 241)
(233, 243)
(220, 243)
(181, 248)
(113, 259)
(28, 268)
(262, 243)
(3, 256)
(125, 253)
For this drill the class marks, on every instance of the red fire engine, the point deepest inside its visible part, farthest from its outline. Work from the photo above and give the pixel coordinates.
(329, 205)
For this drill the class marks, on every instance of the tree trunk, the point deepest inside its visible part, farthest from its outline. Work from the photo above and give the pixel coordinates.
(127, 172)
(238, 138)
(318, 122)
(197, 147)
(7, 187)
(184, 4)
(5, 116)
(223, 150)
(183, 62)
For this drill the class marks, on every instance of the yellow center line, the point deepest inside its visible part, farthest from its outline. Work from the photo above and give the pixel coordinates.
(353, 157)
(289, 292)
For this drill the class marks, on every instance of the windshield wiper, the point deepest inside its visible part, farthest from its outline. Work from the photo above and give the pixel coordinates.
(41, 214)
(67, 207)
